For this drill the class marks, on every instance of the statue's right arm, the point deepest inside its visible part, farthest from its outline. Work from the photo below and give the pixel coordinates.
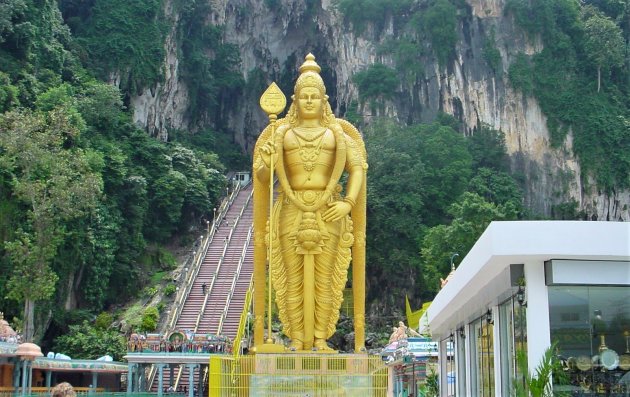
(266, 151)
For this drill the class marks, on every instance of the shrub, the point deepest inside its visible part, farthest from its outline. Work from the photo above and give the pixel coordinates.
(103, 321)
(170, 289)
(149, 319)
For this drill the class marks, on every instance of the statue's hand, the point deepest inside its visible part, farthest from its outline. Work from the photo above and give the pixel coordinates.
(267, 151)
(336, 211)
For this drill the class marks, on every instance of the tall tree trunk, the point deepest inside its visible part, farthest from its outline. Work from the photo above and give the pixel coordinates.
(29, 316)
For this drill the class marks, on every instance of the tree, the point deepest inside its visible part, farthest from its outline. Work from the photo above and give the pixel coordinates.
(497, 187)
(448, 166)
(376, 82)
(440, 23)
(55, 185)
(85, 341)
(471, 215)
(604, 43)
(395, 205)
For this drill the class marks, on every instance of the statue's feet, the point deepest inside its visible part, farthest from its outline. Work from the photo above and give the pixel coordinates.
(321, 345)
(296, 344)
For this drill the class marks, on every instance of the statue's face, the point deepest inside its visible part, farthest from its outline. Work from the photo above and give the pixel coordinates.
(310, 103)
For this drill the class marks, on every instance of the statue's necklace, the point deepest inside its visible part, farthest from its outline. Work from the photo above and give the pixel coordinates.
(309, 134)
(310, 142)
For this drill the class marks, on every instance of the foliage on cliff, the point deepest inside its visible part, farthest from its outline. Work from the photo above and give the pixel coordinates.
(581, 78)
(431, 191)
(85, 196)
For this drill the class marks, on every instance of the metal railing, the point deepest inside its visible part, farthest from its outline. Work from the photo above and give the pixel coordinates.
(191, 275)
(219, 265)
(298, 375)
(241, 330)
(223, 209)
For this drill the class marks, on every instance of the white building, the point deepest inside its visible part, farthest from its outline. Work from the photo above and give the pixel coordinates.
(527, 284)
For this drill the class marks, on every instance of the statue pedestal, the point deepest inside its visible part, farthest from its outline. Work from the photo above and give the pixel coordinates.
(299, 374)
(269, 348)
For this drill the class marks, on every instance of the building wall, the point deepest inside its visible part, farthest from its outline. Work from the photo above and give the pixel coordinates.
(586, 253)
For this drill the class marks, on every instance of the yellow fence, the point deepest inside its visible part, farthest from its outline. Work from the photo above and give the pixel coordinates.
(298, 375)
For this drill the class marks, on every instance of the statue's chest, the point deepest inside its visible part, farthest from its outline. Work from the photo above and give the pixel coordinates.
(300, 141)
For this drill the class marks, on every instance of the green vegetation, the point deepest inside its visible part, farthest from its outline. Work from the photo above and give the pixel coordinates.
(150, 319)
(210, 79)
(580, 81)
(539, 383)
(86, 198)
(580, 78)
(439, 22)
(88, 342)
(170, 289)
(416, 23)
(360, 13)
(119, 36)
(378, 82)
(431, 191)
(490, 52)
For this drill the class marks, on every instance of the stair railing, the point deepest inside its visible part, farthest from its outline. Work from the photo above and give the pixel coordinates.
(236, 347)
(191, 275)
(215, 275)
(241, 259)
(228, 239)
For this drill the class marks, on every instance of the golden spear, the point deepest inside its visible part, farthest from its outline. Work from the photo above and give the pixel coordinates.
(273, 103)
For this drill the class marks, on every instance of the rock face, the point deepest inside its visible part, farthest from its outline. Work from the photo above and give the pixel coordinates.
(163, 107)
(275, 41)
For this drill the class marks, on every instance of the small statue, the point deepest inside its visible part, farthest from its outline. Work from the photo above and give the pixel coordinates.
(397, 334)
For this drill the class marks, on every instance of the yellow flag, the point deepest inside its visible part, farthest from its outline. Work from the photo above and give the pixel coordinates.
(413, 317)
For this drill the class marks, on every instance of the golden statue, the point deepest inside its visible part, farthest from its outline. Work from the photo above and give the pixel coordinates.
(315, 225)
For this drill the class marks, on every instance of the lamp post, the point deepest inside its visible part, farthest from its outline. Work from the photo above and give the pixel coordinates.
(27, 352)
(452, 258)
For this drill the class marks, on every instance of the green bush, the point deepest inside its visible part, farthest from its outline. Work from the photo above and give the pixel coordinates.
(377, 81)
(86, 342)
(103, 320)
(149, 319)
(170, 289)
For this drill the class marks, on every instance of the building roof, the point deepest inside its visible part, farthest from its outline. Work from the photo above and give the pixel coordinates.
(79, 365)
(60, 365)
(482, 279)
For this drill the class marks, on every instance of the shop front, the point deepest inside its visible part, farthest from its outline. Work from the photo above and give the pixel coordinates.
(526, 286)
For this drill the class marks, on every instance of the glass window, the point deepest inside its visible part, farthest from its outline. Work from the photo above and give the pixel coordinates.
(487, 348)
(475, 359)
(482, 358)
(460, 354)
(508, 354)
(591, 326)
(450, 366)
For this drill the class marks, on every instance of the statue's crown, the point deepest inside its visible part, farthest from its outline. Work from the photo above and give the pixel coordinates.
(310, 64)
(309, 75)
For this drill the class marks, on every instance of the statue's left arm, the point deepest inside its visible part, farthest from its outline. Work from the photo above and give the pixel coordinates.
(354, 167)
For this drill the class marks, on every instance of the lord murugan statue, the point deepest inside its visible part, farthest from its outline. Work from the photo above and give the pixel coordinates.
(309, 233)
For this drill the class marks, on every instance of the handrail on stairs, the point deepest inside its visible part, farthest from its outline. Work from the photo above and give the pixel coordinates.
(228, 240)
(237, 274)
(192, 274)
(241, 328)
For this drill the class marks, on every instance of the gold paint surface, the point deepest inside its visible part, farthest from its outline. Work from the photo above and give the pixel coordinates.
(315, 226)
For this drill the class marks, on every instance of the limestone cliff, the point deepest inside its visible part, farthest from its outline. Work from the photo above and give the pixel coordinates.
(274, 41)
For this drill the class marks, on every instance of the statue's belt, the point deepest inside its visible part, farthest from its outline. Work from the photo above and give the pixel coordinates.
(309, 197)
